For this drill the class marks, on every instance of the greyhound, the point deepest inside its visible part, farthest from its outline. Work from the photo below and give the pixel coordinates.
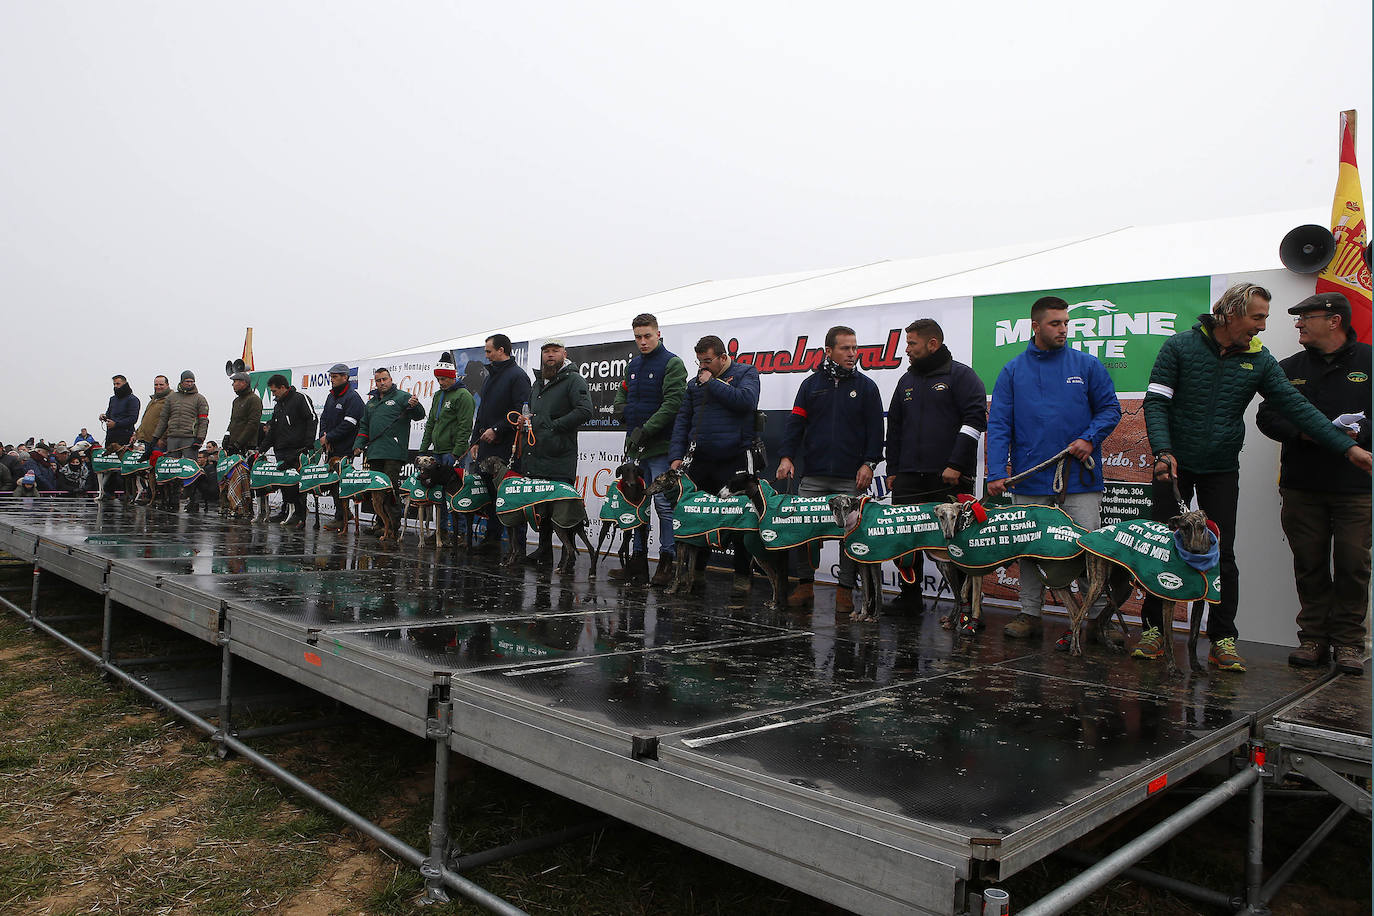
(560, 511)
(633, 492)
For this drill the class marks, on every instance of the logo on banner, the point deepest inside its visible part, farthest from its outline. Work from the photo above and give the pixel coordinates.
(803, 358)
(321, 379)
(1122, 324)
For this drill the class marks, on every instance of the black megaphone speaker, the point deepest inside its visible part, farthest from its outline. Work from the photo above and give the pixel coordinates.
(233, 365)
(1307, 249)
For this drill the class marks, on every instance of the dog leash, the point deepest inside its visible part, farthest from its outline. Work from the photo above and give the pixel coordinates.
(1060, 461)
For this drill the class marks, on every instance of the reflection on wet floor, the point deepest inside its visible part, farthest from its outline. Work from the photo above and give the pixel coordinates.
(983, 735)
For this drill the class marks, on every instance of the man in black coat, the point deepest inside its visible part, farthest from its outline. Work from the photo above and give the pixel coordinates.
(120, 418)
(289, 433)
(343, 411)
(506, 390)
(1326, 500)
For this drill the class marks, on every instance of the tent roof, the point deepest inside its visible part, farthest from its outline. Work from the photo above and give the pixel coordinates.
(1130, 253)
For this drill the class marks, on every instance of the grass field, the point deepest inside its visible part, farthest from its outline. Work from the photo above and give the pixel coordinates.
(108, 805)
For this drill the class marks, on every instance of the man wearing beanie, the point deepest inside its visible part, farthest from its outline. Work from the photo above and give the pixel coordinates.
(1326, 502)
(245, 416)
(185, 420)
(343, 412)
(119, 418)
(449, 426)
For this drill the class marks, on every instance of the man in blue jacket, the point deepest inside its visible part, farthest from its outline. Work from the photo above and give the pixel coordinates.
(120, 418)
(339, 421)
(836, 429)
(505, 390)
(938, 413)
(718, 417)
(1049, 398)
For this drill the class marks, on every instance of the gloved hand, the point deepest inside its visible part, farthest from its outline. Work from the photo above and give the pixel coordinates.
(635, 440)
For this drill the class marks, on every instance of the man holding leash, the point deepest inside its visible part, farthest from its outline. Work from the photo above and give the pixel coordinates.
(289, 433)
(245, 416)
(1202, 382)
(1048, 397)
(559, 405)
(836, 430)
(185, 420)
(506, 391)
(1326, 502)
(385, 435)
(449, 426)
(120, 415)
(649, 399)
(339, 424)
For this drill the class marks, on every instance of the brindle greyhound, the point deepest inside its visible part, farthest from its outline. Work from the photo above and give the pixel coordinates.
(498, 470)
(1111, 579)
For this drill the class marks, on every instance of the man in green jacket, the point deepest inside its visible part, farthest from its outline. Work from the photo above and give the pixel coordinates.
(449, 426)
(559, 404)
(245, 416)
(384, 434)
(1201, 384)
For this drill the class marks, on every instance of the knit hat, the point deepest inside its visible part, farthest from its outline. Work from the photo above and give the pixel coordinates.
(445, 367)
(29, 480)
(187, 375)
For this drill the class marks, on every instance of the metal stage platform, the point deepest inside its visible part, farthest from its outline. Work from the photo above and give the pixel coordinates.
(878, 766)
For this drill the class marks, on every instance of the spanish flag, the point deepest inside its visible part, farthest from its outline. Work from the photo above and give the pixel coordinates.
(1348, 274)
(248, 340)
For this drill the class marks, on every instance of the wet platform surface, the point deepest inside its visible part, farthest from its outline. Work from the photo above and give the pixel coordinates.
(980, 738)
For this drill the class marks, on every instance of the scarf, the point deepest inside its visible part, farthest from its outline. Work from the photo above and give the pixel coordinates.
(932, 363)
(834, 370)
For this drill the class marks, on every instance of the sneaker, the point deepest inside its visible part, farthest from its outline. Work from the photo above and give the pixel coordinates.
(1150, 646)
(1309, 654)
(1022, 626)
(1105, 630)
(1350, 660)
(1225, 656)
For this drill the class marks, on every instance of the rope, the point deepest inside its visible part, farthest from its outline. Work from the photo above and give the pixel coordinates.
(517, 419)
(1060, 483)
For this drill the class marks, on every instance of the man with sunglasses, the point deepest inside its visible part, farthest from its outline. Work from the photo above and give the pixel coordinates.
(1326, 502)
(1201, 384)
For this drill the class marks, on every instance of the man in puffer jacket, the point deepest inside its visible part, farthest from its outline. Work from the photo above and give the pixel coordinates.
(718, 417)
(185, 420)
(119, 418)
(559, 405)
(339, 422)
(289, 433)
(245, 416)
(1201, 384)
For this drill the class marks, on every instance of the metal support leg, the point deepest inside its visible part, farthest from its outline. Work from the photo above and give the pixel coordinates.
(226, 691)
(1309, 846)
(1254, 852)
(107, 629)
(33, 596)
(439, 727)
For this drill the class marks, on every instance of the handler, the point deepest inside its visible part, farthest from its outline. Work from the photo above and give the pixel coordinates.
(385, 436)
(120, 415)
(1202, 381)
(449, 426)
(339, 423)
(718, 416)
(1049, 396)
(1326, 502)
(245, 416)
(505, 391)
(559, 404)
(649, 399)
(836, 428)
(288, 434)
(937, 415)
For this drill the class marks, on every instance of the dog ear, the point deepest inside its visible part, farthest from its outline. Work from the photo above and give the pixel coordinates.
(1173, 522)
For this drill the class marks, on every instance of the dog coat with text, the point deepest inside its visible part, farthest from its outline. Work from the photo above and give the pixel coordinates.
(618, 509)
(472, 494)
(183, 469)
(1013, 532)
(226, 464)
(318, 472)
(527, 494)
(892, 533)
(100, 462)
(266, 474)
(791, 521)
(707, 519)
(356, 482)
(133, 462)
(417, 492)
(1147, 549)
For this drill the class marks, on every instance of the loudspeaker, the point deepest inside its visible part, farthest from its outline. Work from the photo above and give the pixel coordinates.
(1307, 249)
(234, 365)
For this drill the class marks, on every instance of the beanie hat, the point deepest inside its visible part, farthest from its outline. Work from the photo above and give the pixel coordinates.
(187, 375)
(29, 479)
(445, 367)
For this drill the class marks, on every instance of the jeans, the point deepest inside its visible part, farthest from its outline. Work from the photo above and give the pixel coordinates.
(1086, 511)
(1217, 495)
(651, 468)
(826, 486)
(1329, 535)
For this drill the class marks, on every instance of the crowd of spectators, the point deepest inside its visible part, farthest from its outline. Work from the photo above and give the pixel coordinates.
(36, 467)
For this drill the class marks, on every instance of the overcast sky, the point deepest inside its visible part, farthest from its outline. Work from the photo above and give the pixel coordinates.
(351, 178)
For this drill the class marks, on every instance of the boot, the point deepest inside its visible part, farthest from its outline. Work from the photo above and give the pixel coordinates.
(543, 554)
(803, 595)
(297, 521)
(341, 517)
(193, 504)
(844, 600)
(663, 572)
(282, 513)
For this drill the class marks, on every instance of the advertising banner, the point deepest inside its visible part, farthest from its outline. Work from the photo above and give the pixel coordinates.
(602, 365)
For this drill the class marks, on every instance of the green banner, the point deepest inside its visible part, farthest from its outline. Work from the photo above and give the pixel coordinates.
(701, 515)
(169, 469)
(259, 382)
(266, 475)
(356, 482)
(1012, 532)
(1122, 324)
(887, 533)
(1146, 548)
(101, 463)
(473, 495)
(626, 515)
(790, 521)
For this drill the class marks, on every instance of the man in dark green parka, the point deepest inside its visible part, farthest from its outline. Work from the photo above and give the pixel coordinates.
(384, 434)
(559, 404)
(1202, 382)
